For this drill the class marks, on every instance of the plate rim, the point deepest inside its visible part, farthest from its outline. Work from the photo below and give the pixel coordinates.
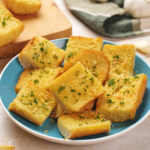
(69, 141)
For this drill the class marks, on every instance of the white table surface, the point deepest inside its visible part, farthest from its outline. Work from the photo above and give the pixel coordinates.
(137, 139)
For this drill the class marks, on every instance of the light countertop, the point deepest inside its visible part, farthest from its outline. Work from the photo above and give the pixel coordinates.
(136, 139)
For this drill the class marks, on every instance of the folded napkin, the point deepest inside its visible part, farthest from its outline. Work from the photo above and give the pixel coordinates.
(108, 18)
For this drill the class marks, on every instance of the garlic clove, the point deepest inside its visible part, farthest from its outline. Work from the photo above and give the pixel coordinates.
(142, 46)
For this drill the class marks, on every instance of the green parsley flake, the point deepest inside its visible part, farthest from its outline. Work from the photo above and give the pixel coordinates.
(72, 90)
(61, 88)
(55, 56)
(111, 82)
(136, 77)
(97, 117)
(35, 101)
(109, 101)
(4, 22)
(32, 94)
(94, 67)
(42, 49)
(122, 103)
(92, 79)
(116, 57)
(36, 81)
(126, 80)
(70, 54)
(79, 93)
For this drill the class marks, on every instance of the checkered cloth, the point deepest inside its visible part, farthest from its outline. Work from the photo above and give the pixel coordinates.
(108, 18)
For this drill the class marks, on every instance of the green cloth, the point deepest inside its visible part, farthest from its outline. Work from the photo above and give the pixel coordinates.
(108, 18)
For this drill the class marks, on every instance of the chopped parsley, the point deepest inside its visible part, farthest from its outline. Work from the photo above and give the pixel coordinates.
(55, 56)
(94, 67)
(116, 57)
(4, 22)
(35, 101)
(72, 90)
(61, 88)
(126, 80)
(42, 62)
(121, 102)
(103, 120)
(32, 94)
(111, 82)
(70, 54)
(136, 77)
(77, 73)
(66, 97)
(79, 93)
(109, 101)
(92, 79)
(36, 81)
(42, 49)
(97, 117)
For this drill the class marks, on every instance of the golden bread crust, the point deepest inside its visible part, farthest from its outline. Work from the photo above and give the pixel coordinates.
(82, 124)
(78, 44)
(95, 61)
(23, 7)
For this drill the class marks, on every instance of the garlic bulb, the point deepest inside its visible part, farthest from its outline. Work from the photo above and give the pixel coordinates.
(137, 8)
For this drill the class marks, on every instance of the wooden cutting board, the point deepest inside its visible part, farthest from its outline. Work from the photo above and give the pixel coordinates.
(49, 22)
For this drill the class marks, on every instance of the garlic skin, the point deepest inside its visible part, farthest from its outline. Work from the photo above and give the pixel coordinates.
(137, 8)
(142, 46)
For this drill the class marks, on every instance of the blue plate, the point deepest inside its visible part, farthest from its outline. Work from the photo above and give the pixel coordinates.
(8, 80)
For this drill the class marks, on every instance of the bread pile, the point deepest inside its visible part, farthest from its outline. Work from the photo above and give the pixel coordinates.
(95, 87)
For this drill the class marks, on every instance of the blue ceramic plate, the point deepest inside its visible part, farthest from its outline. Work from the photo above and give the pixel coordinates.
(8, 80)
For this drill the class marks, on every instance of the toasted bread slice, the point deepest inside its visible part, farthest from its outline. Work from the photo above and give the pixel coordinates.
(76, 88)
(78, 44)
(41, 77)
(10, 27)
(122, 97)
(7, 147)
(121, 59)
(82, 124)
(95, 61)
(23, 7)
(34, 103)
(41, 53)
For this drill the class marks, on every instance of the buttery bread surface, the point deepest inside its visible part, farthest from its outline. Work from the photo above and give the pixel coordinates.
(76, 88)
(93, 60)
(33, 103)
(122, 97)
(41, 77)
(41, 53)
(82, 124)
(78, 44)
(121, 58)
(23, 7)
